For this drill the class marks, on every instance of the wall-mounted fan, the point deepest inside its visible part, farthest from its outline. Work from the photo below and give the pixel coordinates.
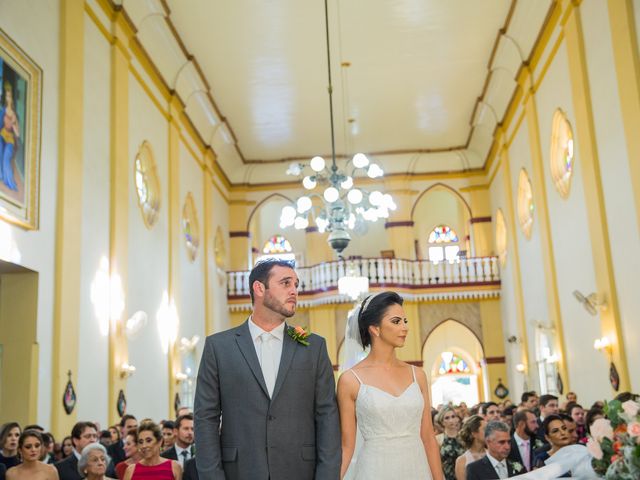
(590, 302)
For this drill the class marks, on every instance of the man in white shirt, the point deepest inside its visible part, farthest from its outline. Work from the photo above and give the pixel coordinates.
(523, 438)
(182, 449)
(495, 464)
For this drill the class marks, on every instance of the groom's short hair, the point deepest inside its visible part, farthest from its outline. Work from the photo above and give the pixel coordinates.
(262, 271)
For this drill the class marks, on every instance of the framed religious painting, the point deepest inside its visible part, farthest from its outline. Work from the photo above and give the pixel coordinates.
(20, 125)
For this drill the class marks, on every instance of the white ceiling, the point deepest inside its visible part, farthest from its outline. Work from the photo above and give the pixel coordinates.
(417, 70)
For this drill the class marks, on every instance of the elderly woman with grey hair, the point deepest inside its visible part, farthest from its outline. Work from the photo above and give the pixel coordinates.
(93, 462)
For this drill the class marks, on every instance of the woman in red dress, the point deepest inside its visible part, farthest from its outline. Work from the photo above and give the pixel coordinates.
(151, 465)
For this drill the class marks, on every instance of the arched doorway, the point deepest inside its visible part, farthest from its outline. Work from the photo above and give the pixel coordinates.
(452, 357)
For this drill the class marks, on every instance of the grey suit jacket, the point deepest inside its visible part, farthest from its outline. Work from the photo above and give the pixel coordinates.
(243, 434)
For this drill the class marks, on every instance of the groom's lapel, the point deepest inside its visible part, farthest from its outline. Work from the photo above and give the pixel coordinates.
(248, 350)
(288, 349)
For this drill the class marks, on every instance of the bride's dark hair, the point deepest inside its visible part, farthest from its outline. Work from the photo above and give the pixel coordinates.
(372, 311)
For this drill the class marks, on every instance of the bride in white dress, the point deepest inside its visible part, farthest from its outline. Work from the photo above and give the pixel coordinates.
(386, 399)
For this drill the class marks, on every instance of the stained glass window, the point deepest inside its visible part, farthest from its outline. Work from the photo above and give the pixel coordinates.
(190, 227)
(147, 184)
(443, 234)
(525, 203)
(561, 155)
(277, 244)
(452, 364)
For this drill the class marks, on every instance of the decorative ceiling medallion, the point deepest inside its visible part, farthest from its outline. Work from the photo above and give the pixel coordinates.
(561, 155)
(525, 203)
(147, 184)
(501, 238)
(190, 227)
(219, 248)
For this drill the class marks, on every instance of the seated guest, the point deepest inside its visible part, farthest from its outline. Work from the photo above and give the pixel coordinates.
(151, 464)
(576, 412)
(472, 438)
(48, 443)
(128, 423)
(67, 447)
(571, 398)
(529, 400)
(524, 438)
(556, 434)
(114, 430)
(593, 415)
(82, 434)
(495, 463)
(182, 448)
(130, 451)
(105, 438)
(93, 462)
(168, 436)
(506, 415)
(30, 449)
(490, 411)
(548, 406)
(183, 411)
(571, 428)
(9, 435)
(450, 448)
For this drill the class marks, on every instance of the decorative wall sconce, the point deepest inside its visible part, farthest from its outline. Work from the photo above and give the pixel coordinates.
(514, 339)
(126, 370)
(189, 344)
(181, 377)
(554, 358)
(603, 345)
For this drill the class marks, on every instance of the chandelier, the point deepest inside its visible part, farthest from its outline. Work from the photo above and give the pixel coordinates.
(343, 206)
(353, 284)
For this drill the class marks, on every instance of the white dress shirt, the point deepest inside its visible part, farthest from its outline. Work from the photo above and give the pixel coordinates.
(524, 449)
(276, 343)
(502, 472)
(181, 457)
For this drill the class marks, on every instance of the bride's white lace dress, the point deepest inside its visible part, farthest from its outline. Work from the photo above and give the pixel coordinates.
(390, 426)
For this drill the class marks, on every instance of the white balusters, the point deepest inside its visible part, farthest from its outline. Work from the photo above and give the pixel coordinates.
(398, 272)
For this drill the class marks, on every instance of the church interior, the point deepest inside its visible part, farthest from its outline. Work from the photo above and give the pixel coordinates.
(159, 148)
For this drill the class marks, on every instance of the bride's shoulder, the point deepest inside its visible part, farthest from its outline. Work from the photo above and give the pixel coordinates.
(348, 381)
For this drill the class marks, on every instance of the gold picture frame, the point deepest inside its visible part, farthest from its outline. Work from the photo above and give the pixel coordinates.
(20, 130)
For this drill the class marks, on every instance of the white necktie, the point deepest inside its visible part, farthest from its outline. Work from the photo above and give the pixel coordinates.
(502, 470)
(266, 361)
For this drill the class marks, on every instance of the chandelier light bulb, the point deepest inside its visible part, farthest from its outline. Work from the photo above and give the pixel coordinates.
(301, 223)
(317, 164)
(331, 194)
(294, 169)
(309, 183)
(354, 196)
(287, 217)
(304, 204)
(322, 224)
(360, 160)
(388, 202)
(376, 198)
(347, 183)
(374, 171)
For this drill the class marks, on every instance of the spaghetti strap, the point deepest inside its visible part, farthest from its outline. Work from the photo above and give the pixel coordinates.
(413, 371)
(356, 375)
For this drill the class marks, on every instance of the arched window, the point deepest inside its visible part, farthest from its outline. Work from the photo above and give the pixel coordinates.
(525, 203)
(452, 364)
(277, 246)
(443, 244)
(561, 155)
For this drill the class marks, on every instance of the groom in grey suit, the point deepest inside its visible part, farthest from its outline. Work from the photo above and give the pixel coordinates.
(265, 406)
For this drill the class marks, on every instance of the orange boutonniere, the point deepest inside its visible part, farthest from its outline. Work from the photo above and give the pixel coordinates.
(299, 334)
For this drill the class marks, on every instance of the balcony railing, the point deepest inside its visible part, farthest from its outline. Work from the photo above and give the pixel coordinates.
(385, 273)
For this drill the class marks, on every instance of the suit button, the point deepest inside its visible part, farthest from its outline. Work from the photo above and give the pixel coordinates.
(271, 417)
